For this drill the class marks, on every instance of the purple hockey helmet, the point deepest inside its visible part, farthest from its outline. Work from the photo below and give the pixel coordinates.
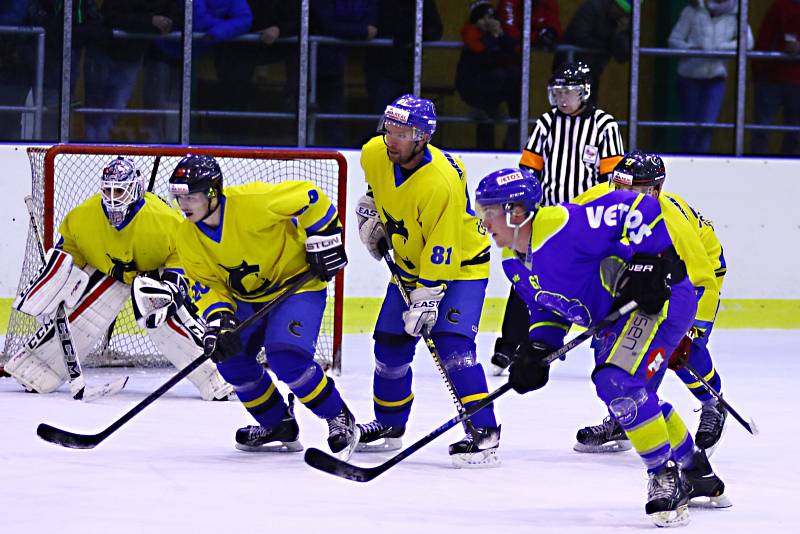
(507, 187)
(409, 110)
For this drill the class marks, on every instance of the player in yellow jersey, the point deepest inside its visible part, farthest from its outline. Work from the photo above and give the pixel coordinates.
(106, 243)
(699, 247)
(417, 200)
(242, 246)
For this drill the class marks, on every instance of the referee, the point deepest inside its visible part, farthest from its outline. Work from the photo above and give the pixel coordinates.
(573, 147)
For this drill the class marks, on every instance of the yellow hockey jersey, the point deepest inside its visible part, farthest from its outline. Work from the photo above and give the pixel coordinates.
(144, 242)
(259, 246)
(701, 252)
(428, 216)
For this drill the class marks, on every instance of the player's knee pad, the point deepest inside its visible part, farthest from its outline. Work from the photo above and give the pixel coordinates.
(180, 345)
(292, 367)
(621, 392)
(393, 355)
(457, 352)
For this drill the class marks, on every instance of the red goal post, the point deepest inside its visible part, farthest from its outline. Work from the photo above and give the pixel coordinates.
(65, 175)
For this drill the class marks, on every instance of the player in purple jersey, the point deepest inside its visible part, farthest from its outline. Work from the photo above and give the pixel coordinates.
(574, 265)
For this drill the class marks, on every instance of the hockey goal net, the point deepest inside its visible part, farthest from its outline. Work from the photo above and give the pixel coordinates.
(65, 175)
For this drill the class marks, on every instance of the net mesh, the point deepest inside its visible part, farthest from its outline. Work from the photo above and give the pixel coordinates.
(65, 175)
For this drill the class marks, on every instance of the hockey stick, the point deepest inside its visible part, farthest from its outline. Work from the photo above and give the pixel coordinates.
(383, 248)
(334, 466)
(77, 383)
(80, 441)
(749, 425)
(73, 440)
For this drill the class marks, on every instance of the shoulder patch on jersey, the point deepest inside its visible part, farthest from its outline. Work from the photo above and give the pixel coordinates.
(547, 223)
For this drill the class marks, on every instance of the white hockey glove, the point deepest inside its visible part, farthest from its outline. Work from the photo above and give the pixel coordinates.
(370, 227)
(424, 309)
(325, 254)
(154, 302)
(58, 281)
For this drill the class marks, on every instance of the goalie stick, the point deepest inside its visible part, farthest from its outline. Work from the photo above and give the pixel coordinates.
(383, 248)
(77, 383)
(329, 464)
(73, 440)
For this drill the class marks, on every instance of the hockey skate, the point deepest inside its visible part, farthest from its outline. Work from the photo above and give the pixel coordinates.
(343, 434)
(477, 449)
(283, 437)
(713, 417)
(668, 497)
(608, 436)
(377, 437)
(706, 488)
(502, 357)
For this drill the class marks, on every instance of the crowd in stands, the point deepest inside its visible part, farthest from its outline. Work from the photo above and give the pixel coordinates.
(487, 76)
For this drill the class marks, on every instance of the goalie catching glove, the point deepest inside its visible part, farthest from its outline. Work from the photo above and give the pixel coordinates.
(370, 227)
(154, 302)
(325, 254)
(220, 340)
(58, 281)
(423, 310)
(528, 372)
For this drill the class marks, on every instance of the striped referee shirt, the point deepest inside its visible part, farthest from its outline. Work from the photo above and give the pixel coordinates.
(572, 152)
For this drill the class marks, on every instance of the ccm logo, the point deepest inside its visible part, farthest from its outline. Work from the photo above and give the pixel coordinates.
(638, 268)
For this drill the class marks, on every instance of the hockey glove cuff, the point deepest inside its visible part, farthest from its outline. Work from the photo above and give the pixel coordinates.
(370, 227)
(325, 254)
(423, 311)
(220, 340)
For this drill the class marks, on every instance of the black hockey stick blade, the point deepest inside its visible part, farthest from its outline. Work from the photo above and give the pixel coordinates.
(748, 425)
(329, 464)
(72, 440)
(325, 462)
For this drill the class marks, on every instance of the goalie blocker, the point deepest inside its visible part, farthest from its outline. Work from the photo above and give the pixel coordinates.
(39, 365)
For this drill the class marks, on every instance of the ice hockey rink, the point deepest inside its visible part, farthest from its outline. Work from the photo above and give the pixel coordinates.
(173, 468)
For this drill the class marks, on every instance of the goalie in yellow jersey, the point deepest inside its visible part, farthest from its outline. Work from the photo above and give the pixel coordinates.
(698, 246)
(242, 246)
(417, 200)
(107, 243)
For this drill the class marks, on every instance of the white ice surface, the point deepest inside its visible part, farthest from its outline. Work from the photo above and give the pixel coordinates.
(173, 468)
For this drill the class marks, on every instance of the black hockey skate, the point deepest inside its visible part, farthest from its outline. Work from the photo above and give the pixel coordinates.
(343, 434)
(609, 436)
(282, 437)
(502, 357)
(713, 417)
(668, 497)
(477, 449)
(706, 488)
(377, 437)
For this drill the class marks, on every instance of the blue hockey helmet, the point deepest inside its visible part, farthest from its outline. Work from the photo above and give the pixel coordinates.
(639, 169)
(508, 187)
(196, 173)
(410, 111)
(121, 187)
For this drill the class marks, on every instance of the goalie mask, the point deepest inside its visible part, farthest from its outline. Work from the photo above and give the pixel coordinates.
(568, 78)
(121, 188)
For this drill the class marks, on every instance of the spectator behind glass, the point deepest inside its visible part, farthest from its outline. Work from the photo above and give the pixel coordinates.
(545, 22)
(345, 19)
(711, 25)
(88, 33)
(236, 62)
(16, 68)
(777, 83)
(389, 72)
(219, 20)
(115, 73)
(603, 25)
(488, 72)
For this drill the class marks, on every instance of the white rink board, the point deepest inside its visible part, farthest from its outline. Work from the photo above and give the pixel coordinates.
(759, 236)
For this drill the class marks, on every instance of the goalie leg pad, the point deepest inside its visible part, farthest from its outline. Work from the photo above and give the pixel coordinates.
(39, 366)
(58, 281)
(180, 345)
